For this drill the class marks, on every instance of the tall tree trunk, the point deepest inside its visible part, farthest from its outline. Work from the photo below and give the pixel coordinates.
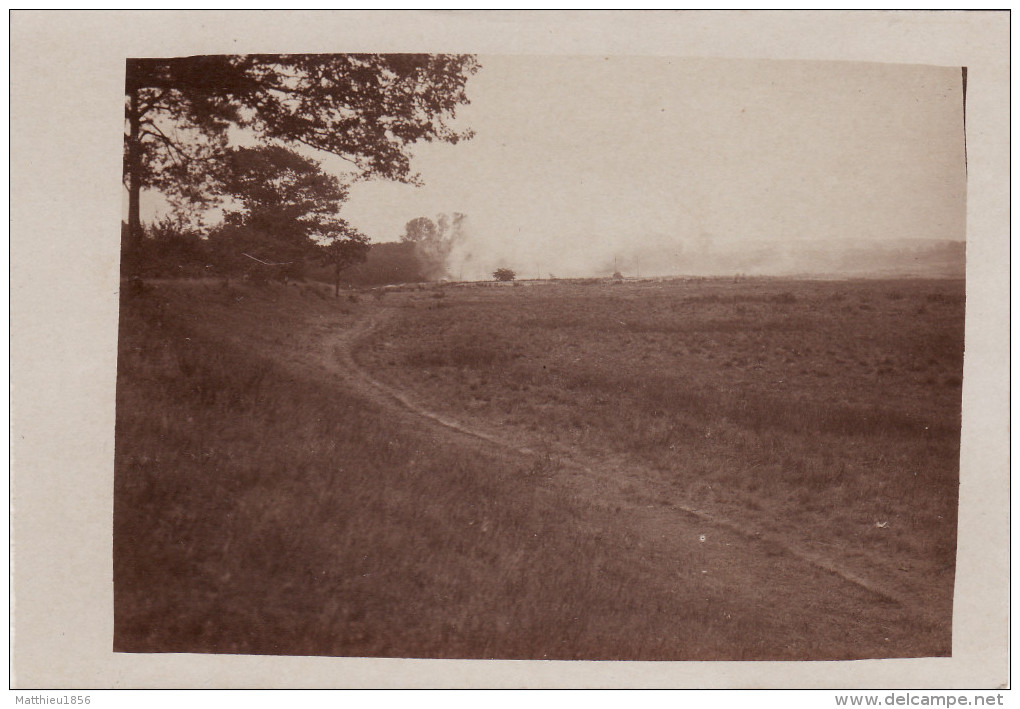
(134, 168)
(336, 282)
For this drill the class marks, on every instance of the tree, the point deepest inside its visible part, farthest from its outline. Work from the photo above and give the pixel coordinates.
(282, 196)
(343, 247)
(419, 230)
(433, 241)
(504, 274)
(365, 108)
(284, 211)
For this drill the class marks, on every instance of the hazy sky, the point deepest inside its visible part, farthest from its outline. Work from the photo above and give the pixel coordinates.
(576, 159)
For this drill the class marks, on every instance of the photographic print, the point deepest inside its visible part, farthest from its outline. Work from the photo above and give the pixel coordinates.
(584, 357)
(499, 349)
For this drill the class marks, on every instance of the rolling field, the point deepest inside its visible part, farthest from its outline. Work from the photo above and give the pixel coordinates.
(679, 470)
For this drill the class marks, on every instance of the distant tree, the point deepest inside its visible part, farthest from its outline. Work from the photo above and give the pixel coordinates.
(342, 246)
(387, 263)
(504, 274)
(365, 108)
(433, 241)
(419, 230)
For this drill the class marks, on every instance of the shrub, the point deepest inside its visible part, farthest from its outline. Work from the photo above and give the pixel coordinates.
(170, 248)
(504, 274)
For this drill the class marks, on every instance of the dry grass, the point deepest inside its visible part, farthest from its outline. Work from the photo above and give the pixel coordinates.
(813, 409)
(263, 506)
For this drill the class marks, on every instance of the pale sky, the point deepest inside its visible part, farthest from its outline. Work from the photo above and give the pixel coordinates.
(576, 159)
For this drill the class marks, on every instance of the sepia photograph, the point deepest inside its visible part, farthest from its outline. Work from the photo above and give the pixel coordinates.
(574, 358)
(517, 355)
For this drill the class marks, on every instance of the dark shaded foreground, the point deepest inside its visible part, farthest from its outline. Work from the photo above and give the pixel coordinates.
(261, 507)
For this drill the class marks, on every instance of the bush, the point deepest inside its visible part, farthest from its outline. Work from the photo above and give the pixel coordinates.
(504, 274)
(170, 248)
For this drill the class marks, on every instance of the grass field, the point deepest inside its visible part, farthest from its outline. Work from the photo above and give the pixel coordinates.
(821, 408)
(266, 502)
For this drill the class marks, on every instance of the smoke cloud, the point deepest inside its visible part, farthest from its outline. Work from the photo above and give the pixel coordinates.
(657, 166)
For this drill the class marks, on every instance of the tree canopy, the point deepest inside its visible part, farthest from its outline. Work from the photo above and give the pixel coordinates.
(365, 108)
(343, 246)
(280, 193)
(433, 241)
(284, 210)
(419, 230)
(504, 274)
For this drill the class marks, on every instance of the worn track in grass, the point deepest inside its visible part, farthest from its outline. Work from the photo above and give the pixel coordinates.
(615, 496)
(672, 576)
(608, 476)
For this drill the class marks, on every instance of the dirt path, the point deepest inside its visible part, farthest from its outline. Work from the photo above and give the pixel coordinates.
(385, 394)
(613, 494)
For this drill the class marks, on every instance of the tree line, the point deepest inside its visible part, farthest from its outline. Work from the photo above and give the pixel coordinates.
(280, 210)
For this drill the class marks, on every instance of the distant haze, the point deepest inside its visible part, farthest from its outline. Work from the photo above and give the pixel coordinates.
(585, 164)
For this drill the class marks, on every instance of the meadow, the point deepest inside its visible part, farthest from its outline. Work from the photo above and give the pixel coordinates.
(656, 470)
